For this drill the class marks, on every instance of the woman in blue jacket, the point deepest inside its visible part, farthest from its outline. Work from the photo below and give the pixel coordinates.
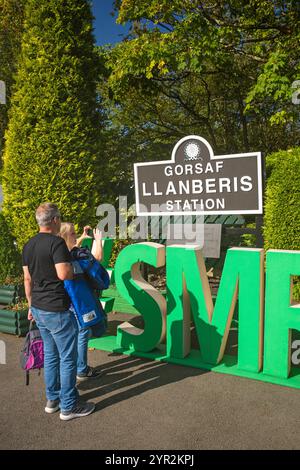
(68, 233)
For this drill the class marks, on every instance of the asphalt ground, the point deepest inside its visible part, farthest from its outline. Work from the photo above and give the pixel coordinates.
(148, 405)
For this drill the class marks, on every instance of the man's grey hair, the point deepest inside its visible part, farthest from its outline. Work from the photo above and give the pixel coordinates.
(45, 214)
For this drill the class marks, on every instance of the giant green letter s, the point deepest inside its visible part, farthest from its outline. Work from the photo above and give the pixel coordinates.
(145, 298)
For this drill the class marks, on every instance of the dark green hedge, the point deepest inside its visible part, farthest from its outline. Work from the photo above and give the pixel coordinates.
(282, 206)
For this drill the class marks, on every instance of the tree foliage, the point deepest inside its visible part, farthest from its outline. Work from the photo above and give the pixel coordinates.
(202, 37)
(223, 70)
(53, 134)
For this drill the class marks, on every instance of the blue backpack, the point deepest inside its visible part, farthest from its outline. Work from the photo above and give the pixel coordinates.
(89, 276)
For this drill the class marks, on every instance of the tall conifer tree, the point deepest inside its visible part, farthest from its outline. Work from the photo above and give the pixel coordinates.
(11, 29)
(53, 135)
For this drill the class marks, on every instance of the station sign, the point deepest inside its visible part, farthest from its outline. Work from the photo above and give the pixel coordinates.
(195, 181)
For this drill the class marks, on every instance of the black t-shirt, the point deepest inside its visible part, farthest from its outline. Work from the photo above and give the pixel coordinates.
(40, 254)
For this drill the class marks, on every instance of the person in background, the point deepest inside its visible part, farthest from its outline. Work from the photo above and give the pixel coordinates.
(68, 233)
(46, 264)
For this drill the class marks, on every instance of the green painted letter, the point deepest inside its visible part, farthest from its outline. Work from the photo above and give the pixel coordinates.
(280, 317)
(147, 300)
(188, 290)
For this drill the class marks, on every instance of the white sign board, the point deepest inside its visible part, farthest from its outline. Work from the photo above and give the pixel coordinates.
(212, 240)
(2, 92)
(207, 236)
(2, 353)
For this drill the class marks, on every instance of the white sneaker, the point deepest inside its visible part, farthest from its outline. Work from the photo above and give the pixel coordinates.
(80, 410)
(90, 374)
(52, 406)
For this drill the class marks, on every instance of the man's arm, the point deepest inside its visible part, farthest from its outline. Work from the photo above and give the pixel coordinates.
(62, 260)
(28, 289)
(64, 271)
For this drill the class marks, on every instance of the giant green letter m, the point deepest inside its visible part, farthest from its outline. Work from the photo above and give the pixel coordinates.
(188, 291)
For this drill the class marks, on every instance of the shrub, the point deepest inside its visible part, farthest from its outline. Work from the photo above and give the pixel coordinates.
(282, 207)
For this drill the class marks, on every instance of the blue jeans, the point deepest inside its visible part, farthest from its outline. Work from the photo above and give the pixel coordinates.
(59, 331)
(83, 339)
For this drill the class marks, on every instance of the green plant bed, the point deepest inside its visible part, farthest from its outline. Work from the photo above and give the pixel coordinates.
(22, 331)
(7, 314)
(10, 294)
(14, 321)
(9, 322)
(23, 324)
(7, 288)
(22, 315)
(6, 299)
(11, 330)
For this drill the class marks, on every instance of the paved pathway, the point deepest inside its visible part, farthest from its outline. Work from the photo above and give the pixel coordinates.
(149, 405)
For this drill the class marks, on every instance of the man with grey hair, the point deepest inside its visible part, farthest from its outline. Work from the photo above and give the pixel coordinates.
(46, 264)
